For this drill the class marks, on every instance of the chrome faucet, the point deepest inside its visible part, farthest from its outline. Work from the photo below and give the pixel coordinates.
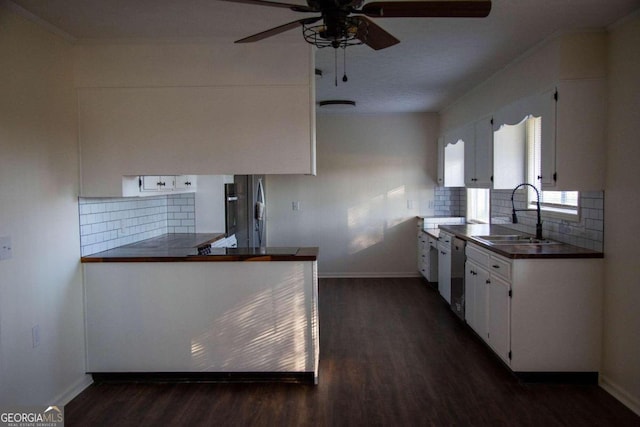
(513, 207)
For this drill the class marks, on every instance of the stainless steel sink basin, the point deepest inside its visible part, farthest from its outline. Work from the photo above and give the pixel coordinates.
(501, 237)
(514, 239)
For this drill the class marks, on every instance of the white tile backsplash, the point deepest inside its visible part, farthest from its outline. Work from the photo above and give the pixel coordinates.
(588, 232)
(450, 201)
(113, 222)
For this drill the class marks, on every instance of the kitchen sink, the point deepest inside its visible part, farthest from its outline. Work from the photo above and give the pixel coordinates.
(514, 239)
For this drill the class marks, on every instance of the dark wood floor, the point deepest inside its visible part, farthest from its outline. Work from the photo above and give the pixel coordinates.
(392, 354)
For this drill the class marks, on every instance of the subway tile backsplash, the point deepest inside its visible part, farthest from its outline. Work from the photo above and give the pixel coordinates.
(588, 232)
(107, 223)
(450, 201)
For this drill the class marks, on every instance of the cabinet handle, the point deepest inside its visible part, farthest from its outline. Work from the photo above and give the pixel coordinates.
(539, 177)
(162, 184)
(496, 266)
(443, 253)
(488, 281)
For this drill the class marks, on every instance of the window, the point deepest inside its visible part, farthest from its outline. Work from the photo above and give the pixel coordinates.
(478, 203)
(557, 203)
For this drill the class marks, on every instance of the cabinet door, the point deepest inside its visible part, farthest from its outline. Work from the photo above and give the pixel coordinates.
(548, 140)
(423, 248)
(185, 182)
(482, 304)
(470, 284)
(444, 273)
(454, 143)
(580, 147)
(151, 183)
(499, 317)
(440, 161)
(478, 157)
(509, 156)
(158, 182)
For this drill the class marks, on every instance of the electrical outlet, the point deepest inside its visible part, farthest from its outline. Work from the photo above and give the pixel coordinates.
(5, 247)
(431, 204)
(295, 206)
(35, 336)
(409, 204)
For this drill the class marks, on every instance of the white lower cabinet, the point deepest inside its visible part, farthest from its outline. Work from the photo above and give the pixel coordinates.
(427, 256)
(539, 315)
(476, 302)
(423, 254)
(499, 318)
(444, 266)
(487, 307)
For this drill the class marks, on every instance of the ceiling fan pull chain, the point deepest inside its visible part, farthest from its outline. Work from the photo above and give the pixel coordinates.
(344, 77)
(335, 64)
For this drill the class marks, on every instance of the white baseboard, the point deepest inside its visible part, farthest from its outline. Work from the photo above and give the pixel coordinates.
(363, 275)
(619, 393)
(75, 389)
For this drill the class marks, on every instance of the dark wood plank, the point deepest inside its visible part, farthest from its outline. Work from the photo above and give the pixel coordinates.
(392, 354)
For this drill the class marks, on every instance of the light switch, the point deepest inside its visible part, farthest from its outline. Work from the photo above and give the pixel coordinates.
(5, 247)
(295, 206)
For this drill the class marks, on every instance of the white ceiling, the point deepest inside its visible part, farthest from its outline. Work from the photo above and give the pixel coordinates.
(437, 60)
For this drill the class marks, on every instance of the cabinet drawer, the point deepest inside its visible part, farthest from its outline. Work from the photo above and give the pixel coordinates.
(478, 255)
(445, 238)
(501, 267)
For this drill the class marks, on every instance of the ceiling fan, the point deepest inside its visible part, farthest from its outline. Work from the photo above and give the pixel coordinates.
(346, 22)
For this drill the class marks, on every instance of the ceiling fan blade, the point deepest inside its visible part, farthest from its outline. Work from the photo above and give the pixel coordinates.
(294, 7)
(427, 9)
(277, 30)
(373, 35)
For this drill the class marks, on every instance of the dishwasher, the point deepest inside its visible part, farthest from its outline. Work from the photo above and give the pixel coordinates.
(457, 276)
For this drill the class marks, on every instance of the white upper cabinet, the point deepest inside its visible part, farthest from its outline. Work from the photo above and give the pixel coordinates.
(454, 155)
(206, 108)
(572, 144)
(158, 183)
(441, 161)
(478, 155)
(509, 156)
(465, 155)
(186, 182)
(576, 160)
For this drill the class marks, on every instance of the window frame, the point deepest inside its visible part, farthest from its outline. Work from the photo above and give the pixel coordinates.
(471, 216)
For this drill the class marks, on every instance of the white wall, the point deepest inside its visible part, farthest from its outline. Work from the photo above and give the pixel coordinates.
(210, 216)
(355, 209)
(39, 209)
(621, 370)
(570, 56)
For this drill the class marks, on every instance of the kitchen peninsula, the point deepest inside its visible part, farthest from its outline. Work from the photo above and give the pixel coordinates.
(159, 308)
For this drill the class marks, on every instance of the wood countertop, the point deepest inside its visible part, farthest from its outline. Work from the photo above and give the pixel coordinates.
(517, 251)
(183, 247)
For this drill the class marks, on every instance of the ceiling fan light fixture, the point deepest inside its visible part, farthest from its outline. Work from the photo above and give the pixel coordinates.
(337, 103)
(320, 36)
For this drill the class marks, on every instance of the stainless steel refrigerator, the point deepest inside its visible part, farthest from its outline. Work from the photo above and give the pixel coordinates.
(251, 225)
